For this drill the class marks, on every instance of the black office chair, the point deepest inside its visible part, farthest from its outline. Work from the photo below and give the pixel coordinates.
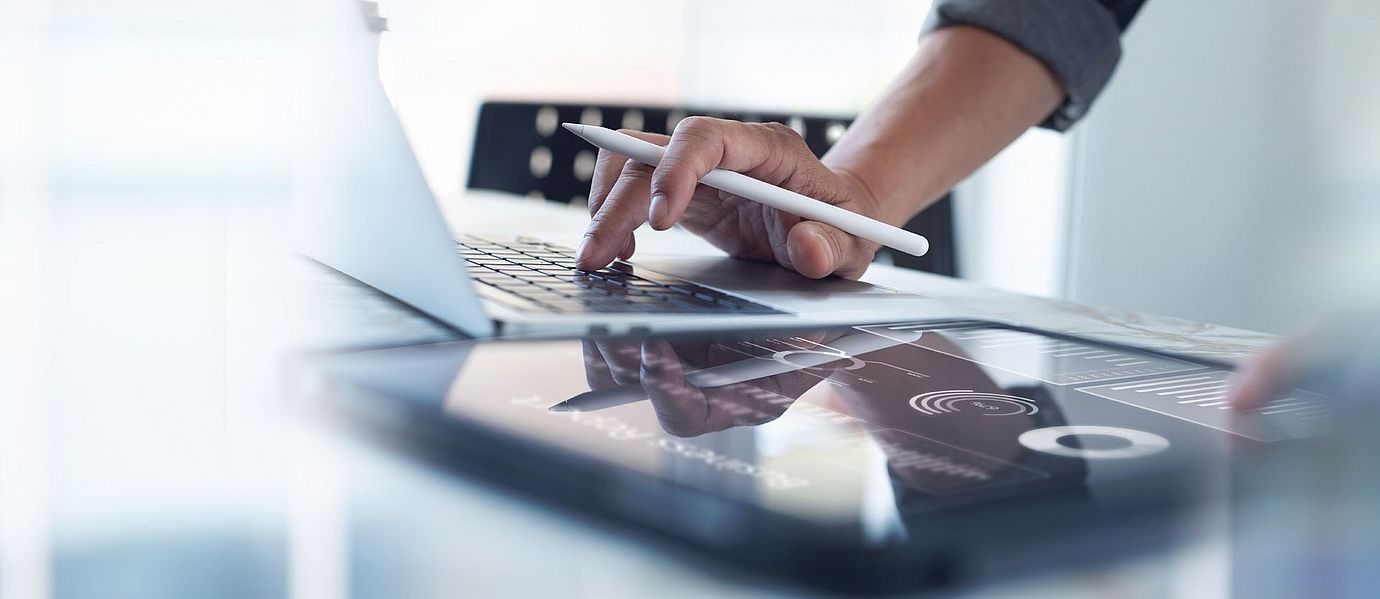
(520, 148)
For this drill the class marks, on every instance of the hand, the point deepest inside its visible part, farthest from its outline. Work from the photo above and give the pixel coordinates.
(1339, 358)
(683, 409)
(624, 194)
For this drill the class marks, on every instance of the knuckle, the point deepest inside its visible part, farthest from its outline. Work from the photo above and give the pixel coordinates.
(635, 170)
(598, 224)
(669, 171)
(698, 124)
(792, 139)
(698, 133)
(590, 234)
(698, 143)
(660, 185)
(607, 213)
(781, 130)
(787, 156)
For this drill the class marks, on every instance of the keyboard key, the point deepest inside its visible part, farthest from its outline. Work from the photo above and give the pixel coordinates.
(560, 283)
(546, 277)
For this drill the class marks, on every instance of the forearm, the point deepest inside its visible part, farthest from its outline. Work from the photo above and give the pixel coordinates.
(964, 96)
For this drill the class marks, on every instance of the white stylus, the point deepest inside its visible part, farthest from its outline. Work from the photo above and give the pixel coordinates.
(762, 192)
(845, 349)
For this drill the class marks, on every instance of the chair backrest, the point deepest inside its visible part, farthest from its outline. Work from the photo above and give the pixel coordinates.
(517, 150)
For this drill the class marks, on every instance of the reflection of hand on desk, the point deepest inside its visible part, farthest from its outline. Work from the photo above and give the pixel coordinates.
(623, 356)
(708, 385)
(632, 370)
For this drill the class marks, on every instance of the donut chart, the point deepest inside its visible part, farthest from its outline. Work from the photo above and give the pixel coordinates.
(809, 359)
(936, 403)
(1138, 443)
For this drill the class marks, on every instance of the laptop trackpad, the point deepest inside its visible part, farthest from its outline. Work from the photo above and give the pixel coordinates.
(769, 283)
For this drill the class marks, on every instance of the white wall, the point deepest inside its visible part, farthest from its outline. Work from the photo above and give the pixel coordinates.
(1231, 173)
(442, 58)
(806, 55)
(1012, 216)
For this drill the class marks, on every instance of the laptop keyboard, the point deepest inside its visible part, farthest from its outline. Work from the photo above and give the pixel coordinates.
(544, 277)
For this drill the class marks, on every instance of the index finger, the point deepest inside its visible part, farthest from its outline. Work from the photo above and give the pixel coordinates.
(680, 407)
(767, 151)
(608, 165)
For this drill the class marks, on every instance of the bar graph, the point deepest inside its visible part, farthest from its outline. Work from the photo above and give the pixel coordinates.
(1043, 358)
(1201, 398)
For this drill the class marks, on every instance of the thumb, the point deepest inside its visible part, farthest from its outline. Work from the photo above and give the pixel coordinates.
(818, 250)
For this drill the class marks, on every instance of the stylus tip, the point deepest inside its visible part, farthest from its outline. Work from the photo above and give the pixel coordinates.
(575, 128)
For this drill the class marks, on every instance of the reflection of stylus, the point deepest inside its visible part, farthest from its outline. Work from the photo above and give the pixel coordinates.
(742, 371)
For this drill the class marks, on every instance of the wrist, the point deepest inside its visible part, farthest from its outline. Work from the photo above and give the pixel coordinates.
(870, 202)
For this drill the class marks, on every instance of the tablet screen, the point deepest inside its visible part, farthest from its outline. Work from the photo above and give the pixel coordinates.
(865, 426)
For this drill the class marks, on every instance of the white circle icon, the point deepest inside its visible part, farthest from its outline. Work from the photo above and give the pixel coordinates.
(1139, 443)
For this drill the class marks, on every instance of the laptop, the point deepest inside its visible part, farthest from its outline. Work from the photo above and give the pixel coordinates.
(366, 211)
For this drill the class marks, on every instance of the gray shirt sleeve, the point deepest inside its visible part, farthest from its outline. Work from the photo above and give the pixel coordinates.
(1079, 40)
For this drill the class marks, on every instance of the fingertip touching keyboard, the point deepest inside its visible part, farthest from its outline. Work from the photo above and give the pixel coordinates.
(532, 275)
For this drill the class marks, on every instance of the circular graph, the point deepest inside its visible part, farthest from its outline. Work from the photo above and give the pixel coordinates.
(1137, 443)
(935, 403)
(808, 359)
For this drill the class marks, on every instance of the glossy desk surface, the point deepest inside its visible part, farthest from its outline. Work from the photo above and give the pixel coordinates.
(165, 457)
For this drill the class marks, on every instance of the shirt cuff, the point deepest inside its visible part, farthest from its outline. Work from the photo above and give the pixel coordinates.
(1078, 40)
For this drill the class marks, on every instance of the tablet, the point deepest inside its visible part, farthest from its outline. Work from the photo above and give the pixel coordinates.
(871, 458)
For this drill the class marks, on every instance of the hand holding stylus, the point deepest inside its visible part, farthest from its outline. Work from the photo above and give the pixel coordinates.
(626, 193)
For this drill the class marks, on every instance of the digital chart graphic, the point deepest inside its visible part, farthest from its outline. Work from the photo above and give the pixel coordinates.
(820, 358)
(1066, 440)
(807, 358)
(1047, 359)
(936, 403)
(937, 468)
(1201, 398)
